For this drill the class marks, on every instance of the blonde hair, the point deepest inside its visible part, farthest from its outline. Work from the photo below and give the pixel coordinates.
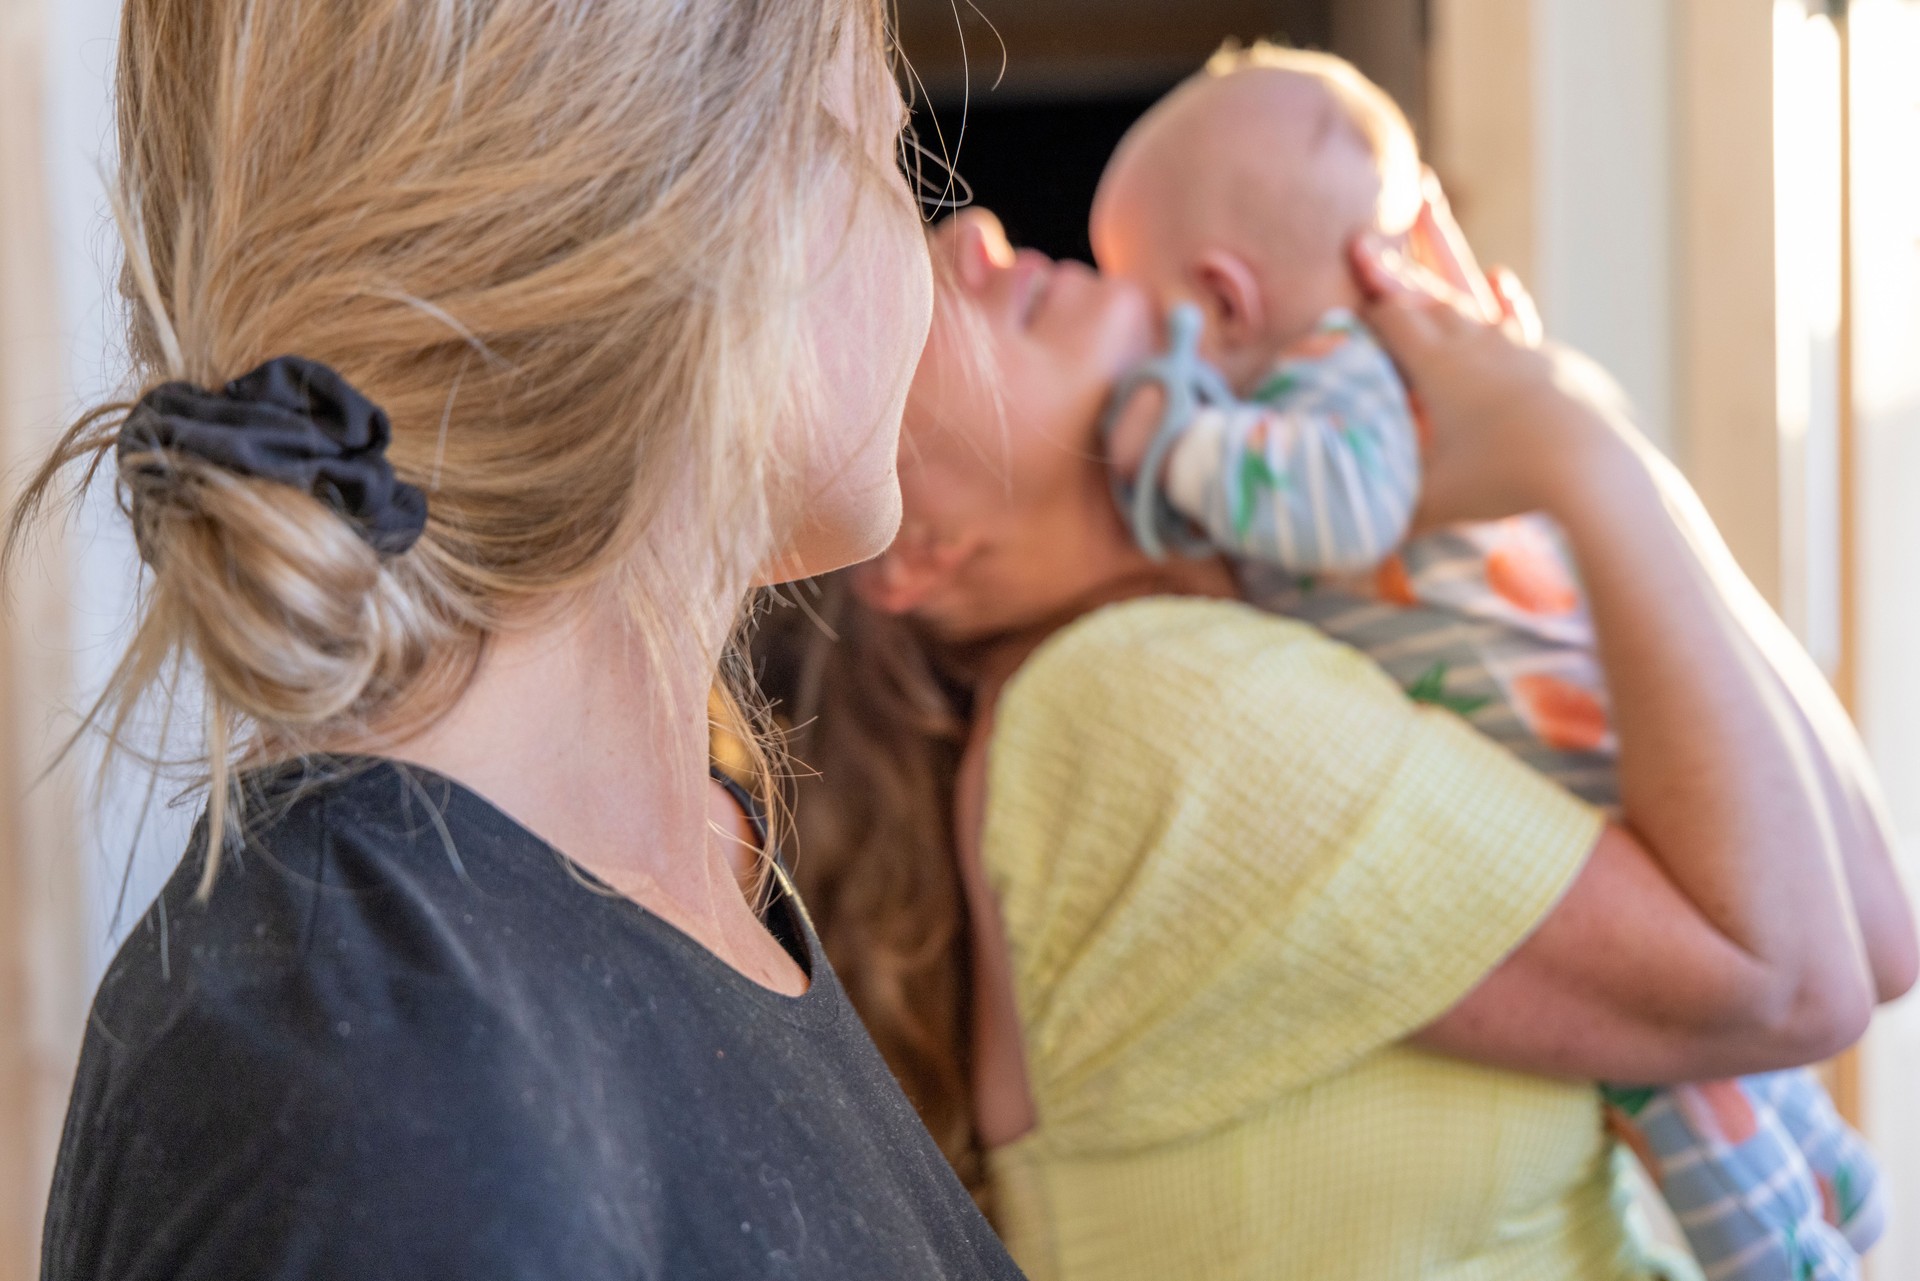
(561, 243)
(1371, 110)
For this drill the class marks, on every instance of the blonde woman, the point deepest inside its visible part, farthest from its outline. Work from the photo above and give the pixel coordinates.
(493, 349)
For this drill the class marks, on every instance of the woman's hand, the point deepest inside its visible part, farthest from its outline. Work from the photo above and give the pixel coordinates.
(1510, 423)
(1436, 243)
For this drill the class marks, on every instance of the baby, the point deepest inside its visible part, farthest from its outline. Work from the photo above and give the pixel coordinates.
(1284, 438)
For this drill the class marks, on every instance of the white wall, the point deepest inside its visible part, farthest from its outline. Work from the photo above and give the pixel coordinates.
(1603, 160)
(81, 39)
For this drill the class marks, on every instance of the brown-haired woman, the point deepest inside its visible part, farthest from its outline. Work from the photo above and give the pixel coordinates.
(493, 350)
(1228, 959)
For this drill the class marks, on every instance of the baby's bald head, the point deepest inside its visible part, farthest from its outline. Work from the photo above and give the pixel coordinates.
(1271, 159)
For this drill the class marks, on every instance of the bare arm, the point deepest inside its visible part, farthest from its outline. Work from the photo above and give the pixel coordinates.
(1718, 935)
(1862, 829)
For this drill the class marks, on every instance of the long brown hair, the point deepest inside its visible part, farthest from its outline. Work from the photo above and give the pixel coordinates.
(877, 717)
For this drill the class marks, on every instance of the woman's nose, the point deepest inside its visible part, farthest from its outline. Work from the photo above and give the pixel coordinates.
(980, 250)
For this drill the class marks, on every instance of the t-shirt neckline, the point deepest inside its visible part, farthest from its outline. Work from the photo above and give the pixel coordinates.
(811, 1007)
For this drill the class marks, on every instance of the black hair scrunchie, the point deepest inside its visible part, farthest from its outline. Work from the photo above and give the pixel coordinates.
(294, 421)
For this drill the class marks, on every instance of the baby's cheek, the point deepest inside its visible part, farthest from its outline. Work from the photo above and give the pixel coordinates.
(1211, 348)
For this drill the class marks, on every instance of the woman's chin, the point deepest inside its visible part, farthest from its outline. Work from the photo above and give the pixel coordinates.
(852, 535)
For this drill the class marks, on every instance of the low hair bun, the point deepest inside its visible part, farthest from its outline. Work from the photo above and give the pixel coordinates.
(275, 596)
(291, 420)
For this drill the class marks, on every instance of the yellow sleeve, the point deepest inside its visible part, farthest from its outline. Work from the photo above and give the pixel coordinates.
(1233, 859)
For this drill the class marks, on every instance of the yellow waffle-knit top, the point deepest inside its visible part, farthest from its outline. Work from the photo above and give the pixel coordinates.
(1237, 869)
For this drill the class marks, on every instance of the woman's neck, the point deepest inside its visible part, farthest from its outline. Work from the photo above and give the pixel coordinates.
(598, 744)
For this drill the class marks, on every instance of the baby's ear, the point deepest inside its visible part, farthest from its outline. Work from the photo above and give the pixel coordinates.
(918, 567)
(1230, 294)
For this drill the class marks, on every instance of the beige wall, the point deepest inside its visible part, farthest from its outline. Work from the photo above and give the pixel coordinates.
(1553, 128)
(1481, 96)
(41, 927)
(1725, 353)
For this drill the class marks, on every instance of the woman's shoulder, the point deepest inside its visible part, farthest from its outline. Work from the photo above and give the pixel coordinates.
(324, 934)
(432, 1072)
(1173, 669)
(379, 906)
(1201, 635)
(242, 1054)
(1151, 628)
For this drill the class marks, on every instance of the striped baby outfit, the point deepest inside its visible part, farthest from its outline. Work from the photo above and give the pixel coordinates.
(1762, 1175)
(1309, 486)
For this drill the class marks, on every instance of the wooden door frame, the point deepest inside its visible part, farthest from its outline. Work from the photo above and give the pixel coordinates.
(1845, 1074)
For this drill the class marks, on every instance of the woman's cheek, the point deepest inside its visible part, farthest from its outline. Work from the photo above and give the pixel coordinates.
(1060, 434)
(1132, 333)
(874, 324)
(916, 317)
(868, 319)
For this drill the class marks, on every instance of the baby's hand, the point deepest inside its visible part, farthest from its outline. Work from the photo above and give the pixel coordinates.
(1133, 429)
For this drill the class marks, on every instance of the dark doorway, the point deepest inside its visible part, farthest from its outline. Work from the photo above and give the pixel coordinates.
(1045, 88)
(1036, 163)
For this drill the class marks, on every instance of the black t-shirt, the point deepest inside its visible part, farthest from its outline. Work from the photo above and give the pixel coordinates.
(407, 1040)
